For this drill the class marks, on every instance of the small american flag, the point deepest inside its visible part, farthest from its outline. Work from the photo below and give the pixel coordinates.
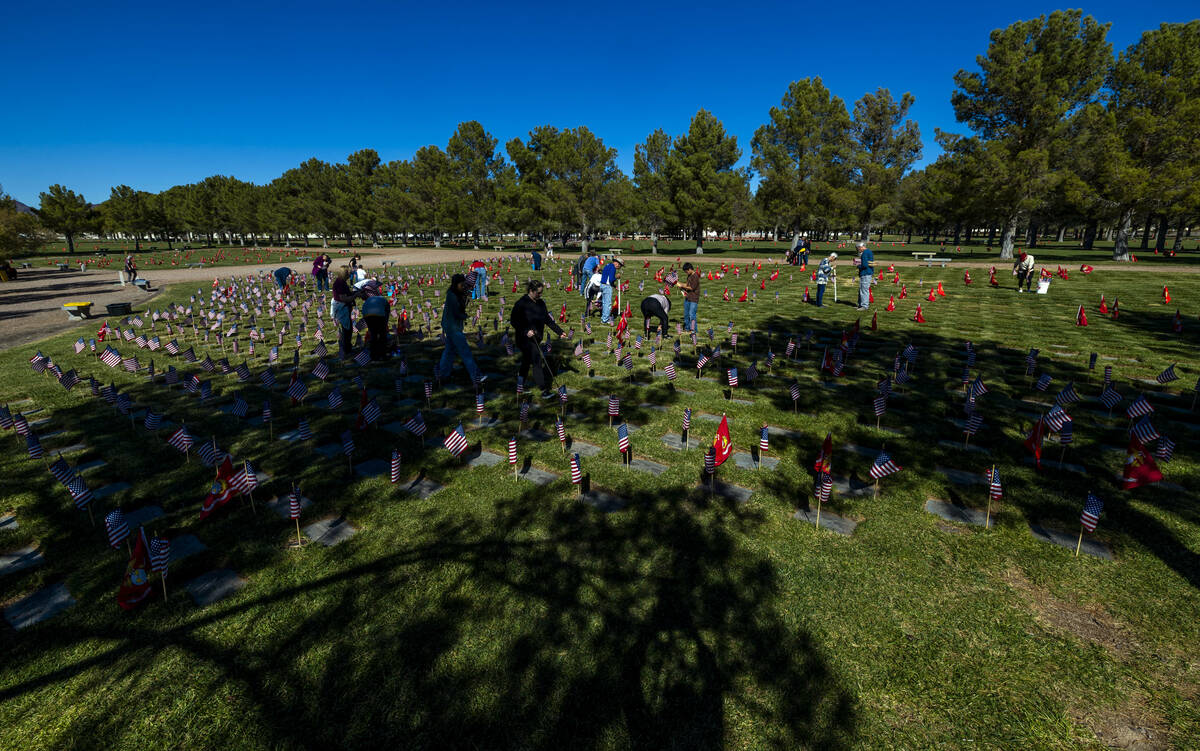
(1166, 449)
(294, 504)
(61, 470)
(627, 362)
(883, 466)
(880, 405)
(267, 379)
(109, 357)
(428, 386)
(614, 406)
(587, 360)
(687, 419)
(995, 490)
(1091, 512)
(335, 399)
(824, 487)
(702, 361)
(207, 366)
(172, 347)
(297, 390)
(670, 371)
(794, 390)
(240, 406)
(80, 493)
(512, 450)
(362, 358)
(160, 554)
(973, 424)
(80, 345)
(524, 412)
(732, 376)
(562, 394)
(710, 460)
(1140, 407)
(117, 528)
(1144, 430)
(1107, 374)
(416, 425)
(1067, 396)
(69, 380)
(1110, 397)
(320, 370)
(623, 437)
(1167, 375)
(348, 443)
(209, 453)
(320, 350)
(1092, 361)
(304, 431)
(560, 428)
(1067, 436)
(576, 470)
(1057, 417)
(764, 439)
(181, 439)
(266, 411)
(479, 404)
(1043, 382)
(395, 468)
(677, 347)
(243, 373)
(244, 480)
(909, 353)
(456, 442)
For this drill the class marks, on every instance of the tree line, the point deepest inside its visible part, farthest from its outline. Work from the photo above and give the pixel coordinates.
(1062, 136)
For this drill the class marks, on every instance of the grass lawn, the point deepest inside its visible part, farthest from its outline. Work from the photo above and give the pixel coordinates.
(498, 613)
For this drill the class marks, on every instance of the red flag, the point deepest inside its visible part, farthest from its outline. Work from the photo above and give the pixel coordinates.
(870, 295)
(623, 324)
(1034, 442)
(875, 321)
(103, 332)
(992, 279)
(919, 317)
(806, 294)
(1116, 308)
(896, 278)
(1103, 306)
(1086, 269)
(824, 462)
(722, 443)
(967, 278)
(135, 587)
(931, 297)
(1177, 326)
(903, 291)
(1166, 295)
(744, 293)
(1080, 317)
(891, 303)
(941, 292)
(726, 296)
(1140, 467)
(221, 491)
(562, 314)
(762, 284)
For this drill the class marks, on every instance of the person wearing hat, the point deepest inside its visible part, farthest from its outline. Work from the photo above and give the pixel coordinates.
(825, 272)
(865, 274)
(1023, 268)
(454, 314)
(608, 281)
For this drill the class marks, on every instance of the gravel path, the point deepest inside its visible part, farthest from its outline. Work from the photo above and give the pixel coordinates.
(31, 306)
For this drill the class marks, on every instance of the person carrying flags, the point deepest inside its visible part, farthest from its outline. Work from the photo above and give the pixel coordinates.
(825, 272)
(1023, 269)
(340, 309)
(454, 314)
(528, 318)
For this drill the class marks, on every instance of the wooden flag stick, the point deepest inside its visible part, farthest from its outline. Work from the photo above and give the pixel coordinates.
(987, 519)
(876, 493)
(1079, 544)
(819, 497)
(91, 518)
(299, 542)
(164, 586)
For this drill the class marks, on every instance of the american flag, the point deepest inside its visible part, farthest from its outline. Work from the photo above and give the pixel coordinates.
(266, 410)
(677, 348)
(304, 431)
(273, 355)
(576, 470)
(880, 405)
(80, 493)
(479, 403)
(117, 528)
(966, 375)
(181, 439)
(1092, 361)
(61, 470)
(1091, 512)
(687, 419)
(207, 366)
(428, 386)
(141, 341)
(244, 480)
(456, 442)
(1144, 430)
(348, 443)
(732, 375)
(1110, 397)
(267, 379)
(520, 385)
(1167, 375)
(294, 504)
(702, 361)
(320, 370)
(109, 357)
(524, 412)
(416, 425)
(1031, 361)
(6, 418)
(1107, 374)
(395, 467)
(335, 398)
(763, 439)
(1067, 395)
(751, 372)
(883, 466)
(770, 359)
(562, 394)
(973, 424)
(1166, 449)
(1140, 407)
(627, 362)
(587, 360)
(21, 425)
(512, 450)
(240, 406)
(901, 377)
(297, 390)
(69, 380)
(669, 370)
(909, 353)
(209, 453)
(362, 358)
(791, 347)
(1056, 418)
(710, 460)
(794, 390)
(1067, 436)
(970, 355)
(561, 428)
(124, 403)
(1043, 382)
(320, 350)
(80, 345)
(155, 343)
(733, 337)
(637, 344)
(995, 490)
(623, 437)
(205, 391)
(243, 373)
(614, 406)
(824, 487)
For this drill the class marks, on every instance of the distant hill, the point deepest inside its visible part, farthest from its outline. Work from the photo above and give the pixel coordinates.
(23, 208)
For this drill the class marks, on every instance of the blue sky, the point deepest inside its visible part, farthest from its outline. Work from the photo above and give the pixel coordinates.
(157, 94)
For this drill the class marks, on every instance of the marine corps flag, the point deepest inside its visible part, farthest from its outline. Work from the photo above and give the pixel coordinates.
(135, 587)
(1140, 467)
(1034, 441)
(722, 444)
(221, 491)
(824, 462)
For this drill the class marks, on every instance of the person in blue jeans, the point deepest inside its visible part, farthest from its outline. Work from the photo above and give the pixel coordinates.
(454, 315)
(589, 267)
(824, 276)
(691, 296)
(865, 273)
(608, 282)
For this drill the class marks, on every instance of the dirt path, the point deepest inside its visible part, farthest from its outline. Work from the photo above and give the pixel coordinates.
(31, 306)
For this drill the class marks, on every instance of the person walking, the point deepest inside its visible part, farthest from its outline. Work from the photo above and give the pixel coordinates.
(340, 309)
(479, 291)
(130, 269)
(803, 250)
(825, 272)
(691, 296)
(1023, 268)
(865, 274)
(454, 315)
(609, 279)
(529, 318)
(588, 267)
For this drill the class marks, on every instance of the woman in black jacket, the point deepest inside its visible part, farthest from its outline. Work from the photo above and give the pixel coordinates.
(528, 319)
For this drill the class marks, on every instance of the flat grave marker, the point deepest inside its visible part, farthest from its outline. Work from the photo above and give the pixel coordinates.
(1090, 545)
(954, 513)
(18, 560)
(39, 606)
(330, 532)
(829, 520)
(213, 586)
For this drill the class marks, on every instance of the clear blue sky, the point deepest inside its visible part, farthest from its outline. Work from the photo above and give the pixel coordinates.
(157, 94)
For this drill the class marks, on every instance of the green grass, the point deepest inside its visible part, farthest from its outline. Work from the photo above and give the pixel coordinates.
(498, 614)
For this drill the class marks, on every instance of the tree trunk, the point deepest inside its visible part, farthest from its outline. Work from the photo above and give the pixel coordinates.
(653, 243)
(137, 242)
(700, 241)
(1121, 243)
(1034, 229)
(909, 240)
(585, 240)
(437, 238)
(70, 242)
(1178, 246)
(957, 232)
(991, 235)
(1006, 238)
(1160, 244)
(1089, 235)
(1062, 232)
(1146, 232)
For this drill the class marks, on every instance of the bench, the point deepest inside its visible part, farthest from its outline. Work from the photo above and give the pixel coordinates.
(119, 308)
(63, 267)
(195, 265)
(142, 284)
(78, 311)
(498, 248)
(917, 254)
(931, 260)
(26, 265)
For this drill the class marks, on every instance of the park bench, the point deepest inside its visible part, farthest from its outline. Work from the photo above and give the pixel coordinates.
(142, 284)
(119, 308)
(931, 260)
(63, 267)
(26, 265)
(920, 255)
(78, 311)
(498, 248)
(195, 265)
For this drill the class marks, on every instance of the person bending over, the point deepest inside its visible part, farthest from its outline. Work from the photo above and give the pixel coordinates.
(529, 318)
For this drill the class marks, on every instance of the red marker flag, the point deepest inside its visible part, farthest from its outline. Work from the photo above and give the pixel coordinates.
(1140, 467)
(1081, 317)
(722, 444)
(221, 491)
(135, 587)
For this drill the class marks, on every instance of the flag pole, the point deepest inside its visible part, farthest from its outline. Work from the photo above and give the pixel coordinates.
(1079, 544)
(987, 520)
(819, 497)
(164, 586)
